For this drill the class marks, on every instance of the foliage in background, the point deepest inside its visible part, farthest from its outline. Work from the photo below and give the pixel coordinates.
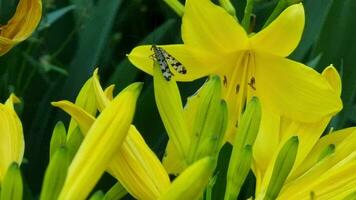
(78, 35)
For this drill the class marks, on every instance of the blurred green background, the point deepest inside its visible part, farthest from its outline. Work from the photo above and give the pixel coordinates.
(75, 36)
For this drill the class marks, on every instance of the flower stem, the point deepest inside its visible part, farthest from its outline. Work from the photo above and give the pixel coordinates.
(247, 15)
(227, 5)
(176, 6)
(282, 4)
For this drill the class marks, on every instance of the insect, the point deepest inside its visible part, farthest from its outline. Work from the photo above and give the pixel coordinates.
(252, 83)
(164, 59)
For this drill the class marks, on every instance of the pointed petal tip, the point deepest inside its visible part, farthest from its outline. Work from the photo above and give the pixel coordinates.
(294, 139)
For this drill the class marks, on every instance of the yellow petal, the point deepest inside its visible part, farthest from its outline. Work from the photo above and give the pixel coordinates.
(103, 140)
(282, 36)
(12, 144)
(109, 92)
(21, 25)
(199, 63)
(85, 100)
(209, 27)
(266, 144)
(343, 157)
(308, 134)
(84, 119)
(336, 183)
(134, 165)
(171, 160)
(333, 77)
(293, 89)
(192, 182)
(169, 104)
(138, 169)
(334, 138)
(100, 96)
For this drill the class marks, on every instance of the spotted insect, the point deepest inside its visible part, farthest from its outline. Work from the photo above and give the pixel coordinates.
(164, 59)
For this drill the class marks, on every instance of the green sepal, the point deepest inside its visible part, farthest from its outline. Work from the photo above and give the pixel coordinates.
(249, 125)
(55, 174)
(327, 151)
(74, 141)
(239, 166)
(12, 186)
(98, 195)
(58, 139)
(282, 167)
(210, 121)
(116, 192)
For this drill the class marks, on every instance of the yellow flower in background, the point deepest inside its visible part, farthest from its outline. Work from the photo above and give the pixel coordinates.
(320, 164)
(248, 65)
(21, 25)
(12, 144)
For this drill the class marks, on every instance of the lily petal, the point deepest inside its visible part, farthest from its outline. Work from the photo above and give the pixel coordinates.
(334, 138)
(103, 139)
(209, 27)
(199, 63)
(294, 90)
(333, 77)
(12, 144)
(21, 25)
(282, 36)
(138, 169)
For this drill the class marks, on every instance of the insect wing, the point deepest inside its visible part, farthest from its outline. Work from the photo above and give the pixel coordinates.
(178, 66)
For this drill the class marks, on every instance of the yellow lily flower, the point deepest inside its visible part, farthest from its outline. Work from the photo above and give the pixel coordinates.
(135, 165)
(21, 25)
(249, 65)
(315, 157)
(12, 144)
(104, 138)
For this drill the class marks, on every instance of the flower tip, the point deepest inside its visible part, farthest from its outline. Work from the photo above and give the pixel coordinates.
(135, 87)
(215, 78)
(14, 98)
(58, 103)
(294, 140)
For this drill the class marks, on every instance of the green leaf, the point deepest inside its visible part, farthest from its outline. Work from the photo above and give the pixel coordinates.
(96, 22)
(54, 16)
(337, 34)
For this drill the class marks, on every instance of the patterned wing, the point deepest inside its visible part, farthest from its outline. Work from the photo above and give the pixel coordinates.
(179, 67)
(160, 58)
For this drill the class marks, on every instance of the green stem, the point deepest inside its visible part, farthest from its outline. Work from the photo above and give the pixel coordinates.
(282, 4)
(227, 5)
(176, 6)
(23, 66)
(247, 15)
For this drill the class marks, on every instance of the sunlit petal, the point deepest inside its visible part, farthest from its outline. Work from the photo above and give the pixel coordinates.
(209, 27)
(282, 36)
(198, 63)
(294, 90)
